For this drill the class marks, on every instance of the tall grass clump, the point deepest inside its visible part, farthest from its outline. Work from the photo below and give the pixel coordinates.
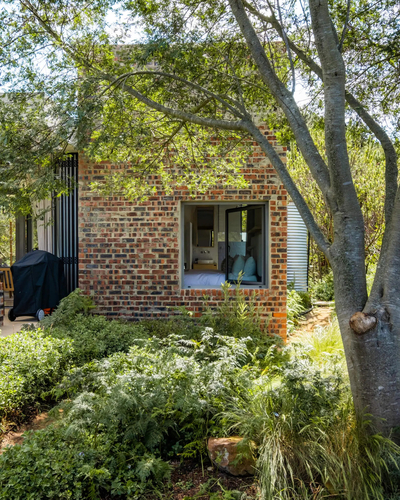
(310, 443)
(323, 346)
(236, 315)
(323, 459)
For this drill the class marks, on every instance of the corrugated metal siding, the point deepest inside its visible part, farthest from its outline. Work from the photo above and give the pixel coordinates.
(297, 249)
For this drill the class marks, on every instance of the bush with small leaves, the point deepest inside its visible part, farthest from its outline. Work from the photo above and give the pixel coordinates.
(324, 289)
(30, 364)
(93, 336)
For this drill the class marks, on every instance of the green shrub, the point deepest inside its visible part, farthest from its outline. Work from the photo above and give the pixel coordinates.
(182, 324)
(324, 289)
(30, 363)
(55, 464)
(76, 302)
(126, 415)
(305, 299)
(93, 336)
(370, 276)
(129, 413)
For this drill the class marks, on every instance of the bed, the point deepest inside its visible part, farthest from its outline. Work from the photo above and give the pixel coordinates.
(215, 279)
(195, 278)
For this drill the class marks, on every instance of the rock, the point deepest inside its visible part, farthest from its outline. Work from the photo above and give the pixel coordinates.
(224, 454)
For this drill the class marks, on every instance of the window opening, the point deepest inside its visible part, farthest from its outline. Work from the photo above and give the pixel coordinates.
(221, 240)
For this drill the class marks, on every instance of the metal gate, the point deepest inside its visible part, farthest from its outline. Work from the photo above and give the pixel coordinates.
(65, 235)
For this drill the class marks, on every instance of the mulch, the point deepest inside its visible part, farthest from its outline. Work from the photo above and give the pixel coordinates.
(190, 480)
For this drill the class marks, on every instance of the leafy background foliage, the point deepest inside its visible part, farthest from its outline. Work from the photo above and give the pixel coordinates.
(367, 161)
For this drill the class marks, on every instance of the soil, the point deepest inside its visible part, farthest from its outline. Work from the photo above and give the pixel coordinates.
(318, 316)
(16, 437)
(189, 480)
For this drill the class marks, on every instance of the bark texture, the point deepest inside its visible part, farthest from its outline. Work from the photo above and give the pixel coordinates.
(373, 360)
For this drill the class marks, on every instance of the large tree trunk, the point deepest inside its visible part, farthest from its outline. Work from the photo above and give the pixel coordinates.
(373, 361)
(371, 341)
(373, 354)
(371, 333)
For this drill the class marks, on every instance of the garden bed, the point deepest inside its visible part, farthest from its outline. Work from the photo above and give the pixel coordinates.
(137, 403)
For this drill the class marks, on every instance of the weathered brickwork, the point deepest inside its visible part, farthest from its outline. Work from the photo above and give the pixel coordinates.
(129, 254)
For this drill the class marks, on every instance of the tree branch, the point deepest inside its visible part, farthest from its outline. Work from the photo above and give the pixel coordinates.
(391, 169)
(218, 98)
(285, 39)
(176, 113)
(345, 28)
(285, 99)
(291, 187)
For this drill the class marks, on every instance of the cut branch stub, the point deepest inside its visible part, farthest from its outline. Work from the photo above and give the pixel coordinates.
(361, 323)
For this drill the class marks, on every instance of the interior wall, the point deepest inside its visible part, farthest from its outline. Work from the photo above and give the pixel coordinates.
(188, 218)
(209, 252)
(217, 252)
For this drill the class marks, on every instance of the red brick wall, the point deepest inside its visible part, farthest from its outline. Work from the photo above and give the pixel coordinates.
(129, 253)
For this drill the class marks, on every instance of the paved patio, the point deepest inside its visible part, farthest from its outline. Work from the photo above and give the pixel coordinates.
(11, 327)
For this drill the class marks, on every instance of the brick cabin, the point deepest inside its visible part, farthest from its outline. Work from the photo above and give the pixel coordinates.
(131, 256)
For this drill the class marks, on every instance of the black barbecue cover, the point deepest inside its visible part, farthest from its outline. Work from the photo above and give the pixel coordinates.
(39, 282)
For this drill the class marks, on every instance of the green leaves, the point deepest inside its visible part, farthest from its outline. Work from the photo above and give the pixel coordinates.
(30, 362)
(115, 101)
(368, 172)
(126, 414)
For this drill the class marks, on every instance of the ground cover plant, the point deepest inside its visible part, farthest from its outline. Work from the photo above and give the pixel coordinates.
(93, 336)
(30, 363)
(123, 418)
(128, 414)
(33, 361)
